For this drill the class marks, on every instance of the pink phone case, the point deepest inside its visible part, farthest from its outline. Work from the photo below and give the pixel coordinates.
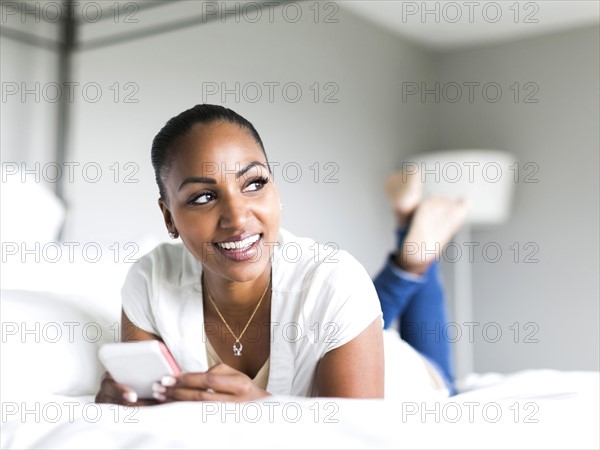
(138, 365)
(170, 360)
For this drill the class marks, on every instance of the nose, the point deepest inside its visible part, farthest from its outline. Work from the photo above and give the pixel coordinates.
(234, 212)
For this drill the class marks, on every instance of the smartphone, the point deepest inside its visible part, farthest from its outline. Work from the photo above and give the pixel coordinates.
(138, 364)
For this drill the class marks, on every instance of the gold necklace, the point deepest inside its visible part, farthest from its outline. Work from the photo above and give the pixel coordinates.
(237, 346)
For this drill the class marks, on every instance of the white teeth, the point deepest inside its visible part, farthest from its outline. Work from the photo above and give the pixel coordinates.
(239, 245)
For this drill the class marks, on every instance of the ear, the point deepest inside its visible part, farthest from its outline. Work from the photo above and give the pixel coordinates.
(168, 218)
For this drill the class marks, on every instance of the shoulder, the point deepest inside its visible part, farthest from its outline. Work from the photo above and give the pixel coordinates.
(301, 262)
(325, 290)
(164, 253)
(167, 263)
(156, 283)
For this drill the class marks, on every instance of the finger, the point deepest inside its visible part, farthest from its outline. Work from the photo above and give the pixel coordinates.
(102, 398)
(106, 376)
(189, 379)
(237, 384)
(106, 399)
(145, 402)
(220, 388)
(197, 395)
(222, 368)
(113, 392)
(229, 383)
(201, 380)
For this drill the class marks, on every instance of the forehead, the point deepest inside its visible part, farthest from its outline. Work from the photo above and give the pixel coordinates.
(216, 146)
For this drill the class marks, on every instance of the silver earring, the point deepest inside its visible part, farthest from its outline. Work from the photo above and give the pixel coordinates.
(172, 234)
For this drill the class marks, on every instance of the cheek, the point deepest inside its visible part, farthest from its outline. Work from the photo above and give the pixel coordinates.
(192, 222)
(269, 211)
(196, 232)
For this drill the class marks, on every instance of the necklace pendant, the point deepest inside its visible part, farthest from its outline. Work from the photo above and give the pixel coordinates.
(237, 348)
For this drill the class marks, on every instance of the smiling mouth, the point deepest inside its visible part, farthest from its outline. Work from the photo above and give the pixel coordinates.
(240, 250)
(239, 246)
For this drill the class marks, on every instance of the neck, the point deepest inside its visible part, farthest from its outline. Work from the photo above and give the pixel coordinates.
(235, 298)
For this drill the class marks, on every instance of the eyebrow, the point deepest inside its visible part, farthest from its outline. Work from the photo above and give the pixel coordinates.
(207, 180)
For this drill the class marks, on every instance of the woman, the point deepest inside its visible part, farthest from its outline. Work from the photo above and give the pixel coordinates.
(262, 308)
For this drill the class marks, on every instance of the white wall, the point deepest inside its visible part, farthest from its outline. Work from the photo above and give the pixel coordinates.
(28, 120)
(558, 214)
(364, 134)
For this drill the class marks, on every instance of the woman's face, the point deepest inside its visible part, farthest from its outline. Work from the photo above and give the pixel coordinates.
(222, 201)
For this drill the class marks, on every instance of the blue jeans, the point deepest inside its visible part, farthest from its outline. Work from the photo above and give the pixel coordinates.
(418, 302)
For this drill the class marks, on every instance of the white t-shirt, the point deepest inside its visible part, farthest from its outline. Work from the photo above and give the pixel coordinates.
(321, 299)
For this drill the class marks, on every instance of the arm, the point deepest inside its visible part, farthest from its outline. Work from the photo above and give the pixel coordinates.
(131, 333)
(355, 369)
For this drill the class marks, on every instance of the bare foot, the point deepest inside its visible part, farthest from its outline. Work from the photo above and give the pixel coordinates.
(433, 224)
(404, 190)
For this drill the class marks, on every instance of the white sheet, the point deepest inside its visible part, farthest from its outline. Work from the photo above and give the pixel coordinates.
(538, 409)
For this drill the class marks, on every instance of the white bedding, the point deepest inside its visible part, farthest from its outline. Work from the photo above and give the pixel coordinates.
(47, 385)
(561, 411)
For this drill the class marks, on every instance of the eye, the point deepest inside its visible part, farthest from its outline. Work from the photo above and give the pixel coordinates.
(257, 184)
(202, 199)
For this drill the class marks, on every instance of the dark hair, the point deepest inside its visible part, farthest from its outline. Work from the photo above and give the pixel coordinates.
(178, 126)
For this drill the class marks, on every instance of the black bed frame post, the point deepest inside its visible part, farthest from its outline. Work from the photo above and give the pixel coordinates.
(68, 44)
(65, 75)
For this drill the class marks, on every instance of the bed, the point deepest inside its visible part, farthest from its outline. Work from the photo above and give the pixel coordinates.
(50, 373)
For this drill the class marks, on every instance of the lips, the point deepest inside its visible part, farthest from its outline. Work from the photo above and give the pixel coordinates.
(239, 244)
(241, 247)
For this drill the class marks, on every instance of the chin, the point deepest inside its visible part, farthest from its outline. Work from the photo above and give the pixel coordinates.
(243, 274)
(240, 271)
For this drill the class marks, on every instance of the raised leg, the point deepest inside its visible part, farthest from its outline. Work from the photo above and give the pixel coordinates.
(409, 286)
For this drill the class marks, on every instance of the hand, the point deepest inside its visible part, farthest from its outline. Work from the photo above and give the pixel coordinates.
(113, 392)
(221, 383)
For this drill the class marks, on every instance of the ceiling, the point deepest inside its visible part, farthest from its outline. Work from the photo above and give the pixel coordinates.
(436, 25)
(461, 25)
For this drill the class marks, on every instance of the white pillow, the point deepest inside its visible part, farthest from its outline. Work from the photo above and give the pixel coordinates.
(20, 219)
(50, 344)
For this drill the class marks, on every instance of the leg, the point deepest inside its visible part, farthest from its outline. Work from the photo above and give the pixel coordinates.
(419, 303)
(396, 288)
(409, 287)
(422, 323)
